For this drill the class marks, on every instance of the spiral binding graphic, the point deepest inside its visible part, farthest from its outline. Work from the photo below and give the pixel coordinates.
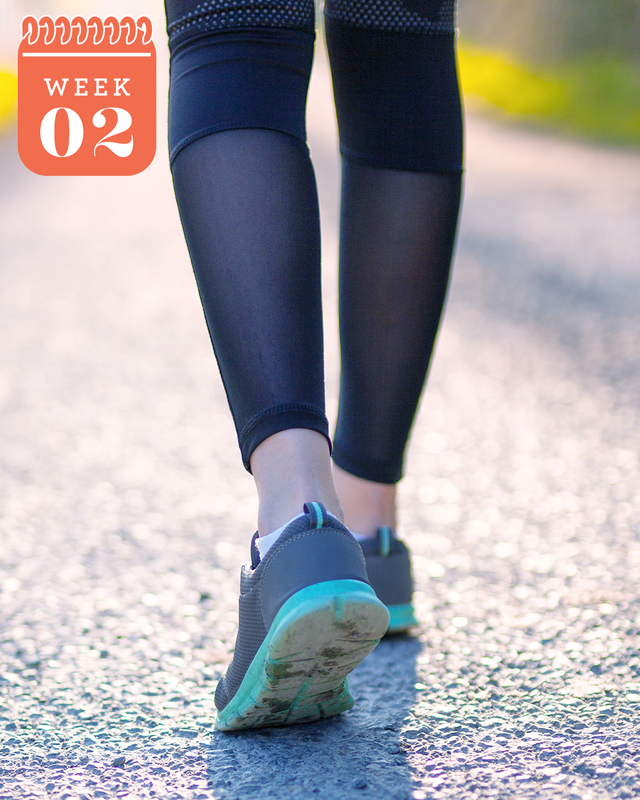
(109, 32)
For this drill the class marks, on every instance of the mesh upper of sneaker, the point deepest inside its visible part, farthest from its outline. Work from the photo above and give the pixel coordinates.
(302, 556)
(390, 574)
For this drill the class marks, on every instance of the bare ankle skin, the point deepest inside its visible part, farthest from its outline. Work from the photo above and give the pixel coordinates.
(291, 468)
(367, 505)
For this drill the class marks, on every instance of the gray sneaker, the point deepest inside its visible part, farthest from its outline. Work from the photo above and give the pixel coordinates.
(308, 617)
(389, 571)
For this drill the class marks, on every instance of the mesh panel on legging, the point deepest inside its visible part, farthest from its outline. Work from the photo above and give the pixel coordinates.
(189, 19)
(414, 16)
(397, 235)
(249, 210)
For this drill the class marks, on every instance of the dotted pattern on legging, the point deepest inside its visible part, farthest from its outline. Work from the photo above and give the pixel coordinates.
(410, 16)
(228, 14)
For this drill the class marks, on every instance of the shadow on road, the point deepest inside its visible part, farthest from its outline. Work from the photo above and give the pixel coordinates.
(354, 755)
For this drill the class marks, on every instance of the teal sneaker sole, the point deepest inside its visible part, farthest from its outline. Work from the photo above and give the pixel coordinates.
(299, 673)
(401, 618)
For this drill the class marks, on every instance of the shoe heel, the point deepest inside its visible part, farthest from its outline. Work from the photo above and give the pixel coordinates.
(401, 618)
(299, 674)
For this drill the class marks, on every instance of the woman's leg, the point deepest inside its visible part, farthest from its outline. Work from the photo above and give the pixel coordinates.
(400, 125)
(248, 203)
(398, 230)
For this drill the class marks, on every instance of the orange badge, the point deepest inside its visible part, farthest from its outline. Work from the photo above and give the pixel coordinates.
(86, 95)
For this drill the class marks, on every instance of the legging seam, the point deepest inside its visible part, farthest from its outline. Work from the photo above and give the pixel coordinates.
(198, 18)
(365, 160)
(257, 34)
(230, 126)
(401, 31)
(244, 60)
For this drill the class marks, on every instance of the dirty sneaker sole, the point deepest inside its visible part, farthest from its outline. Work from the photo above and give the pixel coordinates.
(299, 673)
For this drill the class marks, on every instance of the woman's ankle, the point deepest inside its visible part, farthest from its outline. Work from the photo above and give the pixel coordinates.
(291, 468)
(367, 505)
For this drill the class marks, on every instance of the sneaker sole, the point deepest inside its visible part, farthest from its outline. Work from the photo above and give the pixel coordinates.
(299, 673)
(401, 618)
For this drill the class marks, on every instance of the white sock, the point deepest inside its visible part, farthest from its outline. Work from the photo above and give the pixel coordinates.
(265, 543)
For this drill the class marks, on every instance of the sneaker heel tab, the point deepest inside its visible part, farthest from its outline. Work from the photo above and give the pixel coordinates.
(255, 553)
(384, 540)
(318, 515)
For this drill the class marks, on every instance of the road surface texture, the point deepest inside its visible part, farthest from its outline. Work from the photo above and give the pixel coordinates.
(126, 512)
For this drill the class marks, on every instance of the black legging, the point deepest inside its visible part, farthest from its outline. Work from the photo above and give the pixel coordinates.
(248, 203)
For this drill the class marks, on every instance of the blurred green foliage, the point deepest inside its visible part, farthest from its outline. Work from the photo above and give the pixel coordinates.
(552, 31)
(572, 65)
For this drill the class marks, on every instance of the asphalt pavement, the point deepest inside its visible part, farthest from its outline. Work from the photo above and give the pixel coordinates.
(125, 511)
